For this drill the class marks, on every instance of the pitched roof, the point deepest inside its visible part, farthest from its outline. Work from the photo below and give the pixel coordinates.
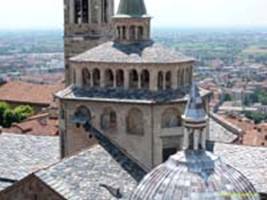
(28, 93)
(40, 125)
(21, 155)
(145, 52)
(94, 174)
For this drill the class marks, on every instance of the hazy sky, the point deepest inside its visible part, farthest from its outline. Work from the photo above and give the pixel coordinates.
(175, 13)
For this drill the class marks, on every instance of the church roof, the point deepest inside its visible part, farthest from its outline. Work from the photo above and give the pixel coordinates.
(143, 52)
(194, 175)
(21, 155)
(97, 173)
(132, 8)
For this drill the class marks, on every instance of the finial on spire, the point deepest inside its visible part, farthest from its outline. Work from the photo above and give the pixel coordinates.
(195, 121)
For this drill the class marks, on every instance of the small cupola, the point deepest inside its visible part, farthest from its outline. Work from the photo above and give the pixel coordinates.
(131, 23)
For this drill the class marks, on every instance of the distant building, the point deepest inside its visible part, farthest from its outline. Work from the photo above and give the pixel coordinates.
(38, 96)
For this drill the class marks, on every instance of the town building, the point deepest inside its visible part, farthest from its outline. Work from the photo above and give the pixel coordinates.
(39, 96)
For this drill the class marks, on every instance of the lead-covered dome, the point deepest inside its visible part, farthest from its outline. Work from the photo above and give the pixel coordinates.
(197, 175)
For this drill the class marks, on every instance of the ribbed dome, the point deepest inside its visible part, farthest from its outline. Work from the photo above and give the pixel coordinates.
(197, 175)
(132, 8)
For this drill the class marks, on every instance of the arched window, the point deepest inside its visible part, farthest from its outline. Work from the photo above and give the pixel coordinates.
(85, 11)
(82, 115)
(123, 32)
(96, 78)
(140, 33)
(119, 78)
(135, 122)
(160, 81)
(132, 33)
(168, 79)
(170, 118)
(104, 11)
(86, 77)
(133, 79)
(108, 119)
(145, 79)
(109, 78)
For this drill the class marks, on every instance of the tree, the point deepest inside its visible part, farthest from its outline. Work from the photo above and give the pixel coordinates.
(227, 97)
(9, 117)
(3, 108)
(23, 112)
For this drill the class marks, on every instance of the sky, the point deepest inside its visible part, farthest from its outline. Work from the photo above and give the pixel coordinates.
(43, 14)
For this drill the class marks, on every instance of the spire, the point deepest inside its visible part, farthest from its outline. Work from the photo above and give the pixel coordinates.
(132, 8)
(195, 121)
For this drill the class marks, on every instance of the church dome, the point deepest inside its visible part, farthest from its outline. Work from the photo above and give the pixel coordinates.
(195, 175)
(132, 8)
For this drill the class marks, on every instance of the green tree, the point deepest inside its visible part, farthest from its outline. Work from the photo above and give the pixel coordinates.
(9, 118)
(3, 108)
(227, 97)
(23, 112)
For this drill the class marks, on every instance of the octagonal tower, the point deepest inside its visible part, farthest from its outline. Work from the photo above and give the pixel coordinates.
(131, 89)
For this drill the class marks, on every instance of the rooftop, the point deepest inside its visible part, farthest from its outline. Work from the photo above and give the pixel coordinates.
(94, 174)
(127, 96)
(145, 52)
(132, 8)
(39, 125)
(21, 155)
(28, 93)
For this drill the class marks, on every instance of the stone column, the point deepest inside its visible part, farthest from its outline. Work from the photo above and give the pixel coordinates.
(186, 138)
(196, 139)
(89, 11)
(126, 79)
(71, 11)
(79, 77)
(153, 85)
(174, 79)
(102, 78)
(164, 81)
(203, 139)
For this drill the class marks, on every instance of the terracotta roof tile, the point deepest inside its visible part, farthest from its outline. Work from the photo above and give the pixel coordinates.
(23, 92)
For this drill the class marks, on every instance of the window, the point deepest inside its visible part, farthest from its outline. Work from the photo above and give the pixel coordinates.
(133, 79)
(135, 122)
(140, 33)
(77, 11)
(82, 115)
(123, 32)
(85, 11)
(145, 79)
(86, 77)
(171, 118)
(168, 80)
(96, 77)
(109, 78)
(108, 119)
(119, 78)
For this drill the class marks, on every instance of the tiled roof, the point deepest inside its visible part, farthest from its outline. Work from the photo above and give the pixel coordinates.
(41, 125)
(91, 173)
(121, 95)
(21, 155)
(148, 52)
(250, 161)
(23, 92)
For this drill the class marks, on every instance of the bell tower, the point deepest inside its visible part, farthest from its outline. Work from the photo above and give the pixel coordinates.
(87, 23)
